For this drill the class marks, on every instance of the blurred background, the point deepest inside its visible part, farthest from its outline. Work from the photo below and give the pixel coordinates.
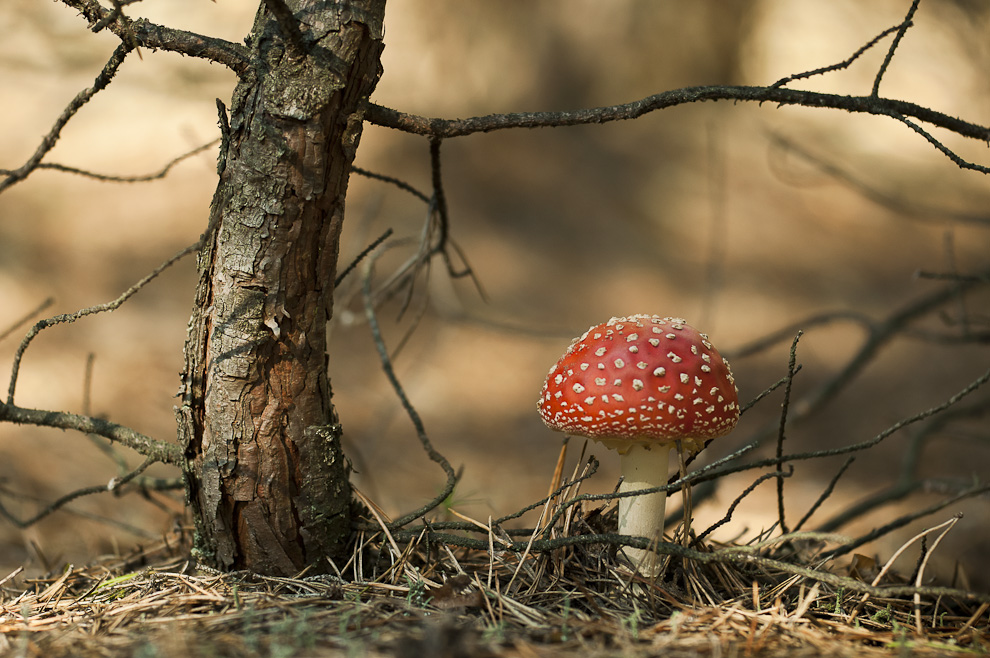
(743, 219)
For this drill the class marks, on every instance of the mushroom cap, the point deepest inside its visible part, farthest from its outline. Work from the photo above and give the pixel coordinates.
(642, 379)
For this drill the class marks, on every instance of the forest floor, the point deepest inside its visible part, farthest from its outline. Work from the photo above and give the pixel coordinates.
(435, 593)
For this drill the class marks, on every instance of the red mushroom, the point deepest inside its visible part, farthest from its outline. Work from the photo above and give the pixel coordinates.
(642, 385)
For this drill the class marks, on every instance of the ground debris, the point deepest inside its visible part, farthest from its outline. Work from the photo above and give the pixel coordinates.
(454, 602)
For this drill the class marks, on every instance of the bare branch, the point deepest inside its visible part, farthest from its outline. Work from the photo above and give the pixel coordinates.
(447, 128)
(12, 328)
(942, 148)
(912, 208)
(825, 494)
(902, 521)
(158, 37)
(401, 184)
(844, 64)
(369, 310)
(779, 475)
(785, 405)
(144, 445)
(59, 319)
(903, 28)
(61, 502)
(364, 254)
(862, 445)
(733, 555)
(142, 178)
(83, 97)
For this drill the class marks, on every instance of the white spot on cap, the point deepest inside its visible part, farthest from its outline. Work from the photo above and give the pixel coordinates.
(664, 389)
(599, 381)
(558, 379)
(637, 385)
(655, 342)
(584, 366)
(705, 368)
(659, 372)
(684, 378)
(631, 337)
(578, 388)
(694, 349)
(617, 397)
(619, 363)
(671, 336)
(697, 380)
(642, 365)
(633, 349)
(589, 400)
(673, 357)
(600, 351)
(617, 382)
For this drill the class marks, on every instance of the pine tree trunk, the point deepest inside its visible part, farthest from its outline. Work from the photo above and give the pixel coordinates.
(267, 484)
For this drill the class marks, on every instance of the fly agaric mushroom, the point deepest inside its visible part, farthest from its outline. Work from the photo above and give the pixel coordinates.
(642, 385)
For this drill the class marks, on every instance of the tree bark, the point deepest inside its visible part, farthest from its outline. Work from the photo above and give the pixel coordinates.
(267, 483)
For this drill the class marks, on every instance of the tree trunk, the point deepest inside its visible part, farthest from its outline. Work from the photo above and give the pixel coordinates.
(267, 484)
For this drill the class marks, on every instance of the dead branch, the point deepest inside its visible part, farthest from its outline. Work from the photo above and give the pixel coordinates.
(27, 318)
(913, 208)
(159, 37)
(109, 178)
(168, 453)
(92, 310)
(369, 310)
(449, 128)
(83, 97)
(69, 497)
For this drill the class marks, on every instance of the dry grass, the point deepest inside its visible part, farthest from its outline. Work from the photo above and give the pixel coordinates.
(410, 593)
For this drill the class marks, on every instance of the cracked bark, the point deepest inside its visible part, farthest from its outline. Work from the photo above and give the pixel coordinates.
(267, 483)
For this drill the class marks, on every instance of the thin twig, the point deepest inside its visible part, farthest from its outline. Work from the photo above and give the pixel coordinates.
(360, 257)
(83, 97)
(825, 494)
(369, 311)
(71, 496)
(902, 30)
(161, 451)
(844, 64)
(784, 406)
(72, 317)
(735, 503)
(906, 519)
(26, 318)
(898, 203)
(96, 440)
(142, 178)
(391, 180)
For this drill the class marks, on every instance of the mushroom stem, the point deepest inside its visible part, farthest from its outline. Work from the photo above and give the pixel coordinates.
(642, 516)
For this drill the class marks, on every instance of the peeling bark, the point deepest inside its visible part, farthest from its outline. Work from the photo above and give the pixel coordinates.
(267, 481)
